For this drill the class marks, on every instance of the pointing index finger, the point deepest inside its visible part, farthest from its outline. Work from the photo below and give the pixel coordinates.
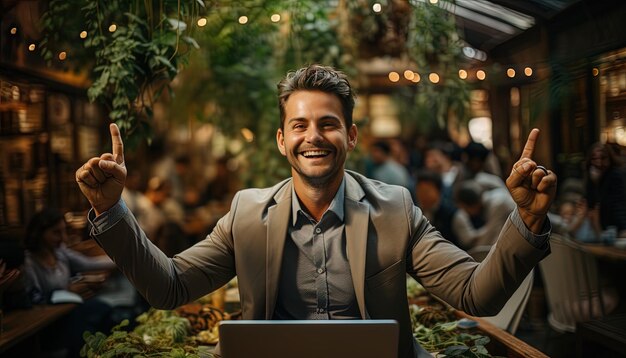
(529, 148)
(118, 145)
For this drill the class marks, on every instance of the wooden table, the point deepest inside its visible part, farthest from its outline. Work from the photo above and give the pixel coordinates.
(502, 342)
(605, 251)
(604, 337)
(20, 327)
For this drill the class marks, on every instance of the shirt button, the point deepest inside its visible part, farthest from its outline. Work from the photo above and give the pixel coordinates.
(318, 230)
(320, 270)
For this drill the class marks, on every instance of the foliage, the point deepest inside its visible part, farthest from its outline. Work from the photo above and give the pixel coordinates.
(231, 81)
(159, 334)
(435, 46)
(436, 330)
(132, 64)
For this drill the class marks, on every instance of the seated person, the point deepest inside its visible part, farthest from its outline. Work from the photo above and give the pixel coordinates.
(575, 219)
(12, 279)
(481, 214)
(428, 192)
(50, 266)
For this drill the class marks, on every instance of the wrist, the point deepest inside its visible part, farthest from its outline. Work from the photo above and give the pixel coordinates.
(533, 222)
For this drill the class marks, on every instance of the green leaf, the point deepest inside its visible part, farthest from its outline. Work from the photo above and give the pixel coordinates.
(177, 24)
(191, 41)
(165, 62)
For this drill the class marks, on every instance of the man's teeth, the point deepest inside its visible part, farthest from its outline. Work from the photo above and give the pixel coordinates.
(315, 153)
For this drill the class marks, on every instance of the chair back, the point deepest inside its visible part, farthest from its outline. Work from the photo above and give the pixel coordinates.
(571, 283)
(511, 314)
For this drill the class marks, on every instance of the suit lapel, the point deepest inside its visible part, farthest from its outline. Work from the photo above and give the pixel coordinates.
(278, 221)
(357, 219)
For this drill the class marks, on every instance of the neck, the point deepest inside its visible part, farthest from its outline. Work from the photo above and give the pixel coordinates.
(44, 255)
(315, 199)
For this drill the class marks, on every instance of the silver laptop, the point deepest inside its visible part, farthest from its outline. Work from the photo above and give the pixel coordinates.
(309, 339)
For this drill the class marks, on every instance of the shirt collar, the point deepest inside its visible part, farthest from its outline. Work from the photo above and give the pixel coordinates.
(336, 206)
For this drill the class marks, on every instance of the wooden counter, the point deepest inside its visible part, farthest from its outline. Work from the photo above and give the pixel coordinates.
(502, 342)
(21, 326)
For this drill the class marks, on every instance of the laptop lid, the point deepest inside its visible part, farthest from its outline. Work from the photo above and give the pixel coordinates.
(309, 339)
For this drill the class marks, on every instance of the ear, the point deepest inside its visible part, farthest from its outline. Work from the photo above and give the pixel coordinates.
(352, 137)
(280, 142)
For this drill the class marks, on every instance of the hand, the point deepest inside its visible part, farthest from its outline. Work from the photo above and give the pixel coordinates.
(7, 277)
(102, 178)
(82, 289)
(532, 188)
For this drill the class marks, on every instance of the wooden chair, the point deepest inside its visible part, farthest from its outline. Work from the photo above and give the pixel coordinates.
(572, 285)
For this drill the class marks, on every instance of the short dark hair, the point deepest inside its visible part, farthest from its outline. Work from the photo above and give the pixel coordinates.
(429, 176)
(383, 146)
(317, 78)
(476, 150)
(39, 223)
(469, 192)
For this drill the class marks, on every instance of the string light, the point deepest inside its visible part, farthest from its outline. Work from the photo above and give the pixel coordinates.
(416, 77)
(462, 74)
(247, 134)
(13, 30)
(377, 7)
(434, 1)
(433, 77)
(510, 72)
(83, 34)
(112, 28)
(595, 72)
(31, 47)
(394, 76)
(481, 75)
(528, 71)
(202, 22)
(275, 18)
(409, 75)
(62, 55)
(243, 20)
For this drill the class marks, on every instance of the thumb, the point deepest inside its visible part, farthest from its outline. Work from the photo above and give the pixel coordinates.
(112, 168)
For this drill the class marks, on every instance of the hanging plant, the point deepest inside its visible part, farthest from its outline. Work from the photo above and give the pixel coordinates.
(134, 49)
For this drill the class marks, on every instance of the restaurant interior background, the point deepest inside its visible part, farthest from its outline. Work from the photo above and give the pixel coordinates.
(197, 78)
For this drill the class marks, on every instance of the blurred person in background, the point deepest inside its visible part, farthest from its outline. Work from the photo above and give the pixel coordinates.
(474, 158)
(440, 214)
(438, 158)
(51, 266)
(387, 169)
(605, 188)
(481, 214)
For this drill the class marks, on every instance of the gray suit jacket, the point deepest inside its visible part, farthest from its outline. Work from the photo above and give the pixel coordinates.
(387, 237)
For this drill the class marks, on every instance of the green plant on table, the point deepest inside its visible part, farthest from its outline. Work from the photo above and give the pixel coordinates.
(159, 334)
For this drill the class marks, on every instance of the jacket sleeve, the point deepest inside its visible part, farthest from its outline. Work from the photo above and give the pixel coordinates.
(451, 274)
(165, 282)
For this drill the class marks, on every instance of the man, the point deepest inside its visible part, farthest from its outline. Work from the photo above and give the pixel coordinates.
(325, 243)
(440, 214)
(386, 169)
(481, 213)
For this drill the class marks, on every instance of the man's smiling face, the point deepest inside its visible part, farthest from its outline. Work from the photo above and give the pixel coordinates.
(314, 137)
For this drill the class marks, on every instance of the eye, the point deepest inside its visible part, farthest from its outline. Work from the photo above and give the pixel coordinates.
(330, 124)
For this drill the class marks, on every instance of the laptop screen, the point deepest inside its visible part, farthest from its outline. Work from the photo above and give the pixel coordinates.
(309, 339)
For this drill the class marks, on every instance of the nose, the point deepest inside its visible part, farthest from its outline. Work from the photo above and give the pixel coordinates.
(313, 134)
